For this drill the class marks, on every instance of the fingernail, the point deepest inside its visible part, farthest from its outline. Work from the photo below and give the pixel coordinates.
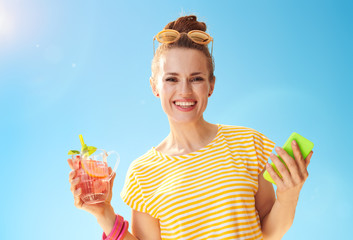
(295, 143)
(278, 149)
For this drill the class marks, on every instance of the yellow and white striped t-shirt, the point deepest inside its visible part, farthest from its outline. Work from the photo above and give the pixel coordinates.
(207, 194)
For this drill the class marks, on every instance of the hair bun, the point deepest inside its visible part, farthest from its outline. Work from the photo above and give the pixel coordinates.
(186, 24)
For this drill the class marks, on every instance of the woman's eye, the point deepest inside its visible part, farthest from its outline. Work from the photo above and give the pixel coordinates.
(170, 79)
(197, 79)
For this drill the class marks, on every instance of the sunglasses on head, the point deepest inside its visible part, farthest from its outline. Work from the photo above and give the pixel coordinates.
(170, 36)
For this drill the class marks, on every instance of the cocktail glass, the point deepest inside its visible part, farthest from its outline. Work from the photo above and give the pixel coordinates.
(93, 171)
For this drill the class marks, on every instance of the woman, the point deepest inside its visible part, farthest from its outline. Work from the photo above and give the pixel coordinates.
(203, 181)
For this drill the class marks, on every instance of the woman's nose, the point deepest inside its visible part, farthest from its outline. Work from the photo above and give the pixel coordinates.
(185, 87)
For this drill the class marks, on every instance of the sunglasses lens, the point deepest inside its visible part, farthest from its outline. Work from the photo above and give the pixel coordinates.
(166, 37)
(199, 37)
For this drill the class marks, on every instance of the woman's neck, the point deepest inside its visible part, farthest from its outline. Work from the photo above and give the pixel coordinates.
(186, 138)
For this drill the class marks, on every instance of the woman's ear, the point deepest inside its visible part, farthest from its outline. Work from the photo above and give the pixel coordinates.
(154, 87)
(212, 83)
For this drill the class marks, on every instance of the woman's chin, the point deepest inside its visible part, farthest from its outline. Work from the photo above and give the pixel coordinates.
(185, 120)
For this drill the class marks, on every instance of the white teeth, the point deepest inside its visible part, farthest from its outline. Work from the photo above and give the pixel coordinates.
(185, 103)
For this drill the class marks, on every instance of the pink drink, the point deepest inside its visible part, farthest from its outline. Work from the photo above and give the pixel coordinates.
(95, 181)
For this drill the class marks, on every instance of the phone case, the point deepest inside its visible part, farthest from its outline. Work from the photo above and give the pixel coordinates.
(305, 147)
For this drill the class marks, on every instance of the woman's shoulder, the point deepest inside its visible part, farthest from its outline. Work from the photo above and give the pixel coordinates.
(239, 129)
(233, 131)
(240, 133)
(142, 161)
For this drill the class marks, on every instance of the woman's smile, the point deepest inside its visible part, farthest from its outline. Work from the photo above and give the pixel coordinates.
(185, 105)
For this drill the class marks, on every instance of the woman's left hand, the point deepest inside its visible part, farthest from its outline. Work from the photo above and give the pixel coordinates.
(292, 181)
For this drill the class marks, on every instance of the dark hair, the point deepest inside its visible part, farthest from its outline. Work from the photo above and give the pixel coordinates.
(184, 25)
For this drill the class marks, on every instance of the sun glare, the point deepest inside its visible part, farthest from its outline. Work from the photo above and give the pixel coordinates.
(6, 26)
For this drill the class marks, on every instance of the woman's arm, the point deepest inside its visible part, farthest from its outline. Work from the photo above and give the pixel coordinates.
(275, 218)
(143, 226)
(103, 212)
(107, 219)
(277, 215)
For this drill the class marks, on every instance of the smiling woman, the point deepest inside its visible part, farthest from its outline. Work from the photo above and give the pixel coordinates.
(204, 180)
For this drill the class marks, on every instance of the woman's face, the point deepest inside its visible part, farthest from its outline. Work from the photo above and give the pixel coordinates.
(183, 84)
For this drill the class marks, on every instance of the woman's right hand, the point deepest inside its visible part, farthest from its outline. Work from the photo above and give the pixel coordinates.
(99, 210)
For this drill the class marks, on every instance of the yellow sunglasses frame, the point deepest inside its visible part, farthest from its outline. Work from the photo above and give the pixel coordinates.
(210, 39)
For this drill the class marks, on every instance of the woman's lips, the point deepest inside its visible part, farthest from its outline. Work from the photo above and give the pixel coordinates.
(185, 105)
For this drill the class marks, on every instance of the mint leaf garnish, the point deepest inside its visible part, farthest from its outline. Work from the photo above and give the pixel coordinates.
(73, 152)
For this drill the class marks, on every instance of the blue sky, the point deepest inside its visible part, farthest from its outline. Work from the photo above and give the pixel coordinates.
(83, 67)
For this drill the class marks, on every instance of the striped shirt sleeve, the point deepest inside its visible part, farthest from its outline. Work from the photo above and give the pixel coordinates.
(263, 148)
(131, 193)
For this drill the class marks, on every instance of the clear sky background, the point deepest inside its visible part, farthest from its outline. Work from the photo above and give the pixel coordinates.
(83, 67)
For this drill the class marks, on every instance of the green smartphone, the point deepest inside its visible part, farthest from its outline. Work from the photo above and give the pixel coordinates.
(305, 147)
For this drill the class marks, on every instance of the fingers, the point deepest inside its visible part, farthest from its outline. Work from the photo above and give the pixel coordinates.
(72, 174)
(77, 198)
(274, 175)
(74, 181)
(290, 162)
(74, 184)
(307, 159)
(286, 176)
(296, 171)
(299, 158)
(76, 190)
(74, 162)
(70, 163)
